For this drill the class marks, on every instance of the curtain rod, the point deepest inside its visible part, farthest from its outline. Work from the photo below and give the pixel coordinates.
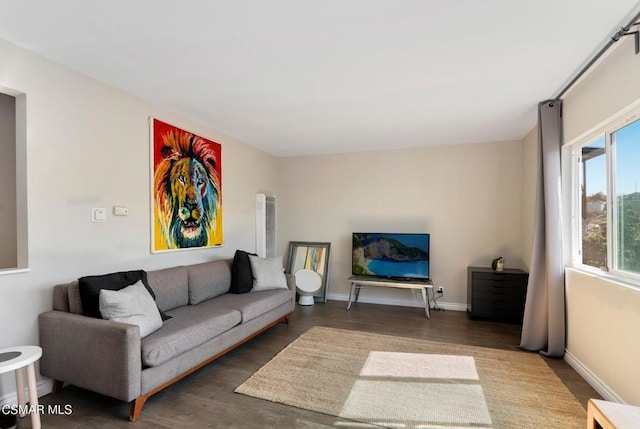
(624, 31)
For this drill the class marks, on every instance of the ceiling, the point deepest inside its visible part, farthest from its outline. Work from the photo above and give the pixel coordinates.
(300, 77)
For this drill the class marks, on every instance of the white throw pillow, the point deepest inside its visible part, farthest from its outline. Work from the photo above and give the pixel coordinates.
(133, 305)
(267, 273)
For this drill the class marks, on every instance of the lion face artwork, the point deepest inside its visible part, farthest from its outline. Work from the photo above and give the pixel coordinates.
(187, 193)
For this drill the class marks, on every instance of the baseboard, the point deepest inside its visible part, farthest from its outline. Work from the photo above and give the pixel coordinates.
(593, 380)
(44, 388)
(453, 306)
(402, 302)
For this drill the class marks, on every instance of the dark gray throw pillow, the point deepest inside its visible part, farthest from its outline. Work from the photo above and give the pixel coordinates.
(90, 287)
(241, 275)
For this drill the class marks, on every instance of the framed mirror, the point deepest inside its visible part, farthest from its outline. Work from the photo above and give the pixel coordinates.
(307, 255)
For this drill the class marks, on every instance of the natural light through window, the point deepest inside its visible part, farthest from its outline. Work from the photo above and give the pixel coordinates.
(428, 390)
(607, 208)
(626, 145)
(594, 204)
(418, 365)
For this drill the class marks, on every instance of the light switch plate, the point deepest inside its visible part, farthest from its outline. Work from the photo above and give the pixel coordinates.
(98, 214)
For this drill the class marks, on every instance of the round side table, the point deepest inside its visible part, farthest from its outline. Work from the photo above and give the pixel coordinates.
(16, 359)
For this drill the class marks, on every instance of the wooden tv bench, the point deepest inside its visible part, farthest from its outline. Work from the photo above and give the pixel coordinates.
(358, 282)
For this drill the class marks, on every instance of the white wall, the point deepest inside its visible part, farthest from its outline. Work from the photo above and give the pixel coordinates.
(466, 196)
(8, 252)
(88, 146)
(608, 89)
(602, 317)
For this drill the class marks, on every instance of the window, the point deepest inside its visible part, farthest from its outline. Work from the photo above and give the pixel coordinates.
(626, 145)
(593, 198)
(607, 201)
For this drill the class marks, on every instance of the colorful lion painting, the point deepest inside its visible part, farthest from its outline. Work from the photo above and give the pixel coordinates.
(187, 189)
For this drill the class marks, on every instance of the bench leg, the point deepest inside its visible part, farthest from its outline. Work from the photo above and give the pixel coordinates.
(425, 299)
(351, 295)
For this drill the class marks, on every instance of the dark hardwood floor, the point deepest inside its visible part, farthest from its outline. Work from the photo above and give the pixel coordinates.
(205, 399)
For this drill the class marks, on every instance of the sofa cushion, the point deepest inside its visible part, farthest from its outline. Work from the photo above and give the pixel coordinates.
(241, 276)
(133, 305)
(268, 273)
(189, 327)
(171, 286)
(208, 280)
(254, 304)
(90, 287)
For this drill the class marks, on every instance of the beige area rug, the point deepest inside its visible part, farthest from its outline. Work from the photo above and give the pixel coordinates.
(406, 383)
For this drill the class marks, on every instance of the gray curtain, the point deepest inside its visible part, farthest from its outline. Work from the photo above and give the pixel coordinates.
(543, 327)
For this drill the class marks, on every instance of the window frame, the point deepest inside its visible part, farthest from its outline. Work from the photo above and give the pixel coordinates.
(605, 129)
(22, 220)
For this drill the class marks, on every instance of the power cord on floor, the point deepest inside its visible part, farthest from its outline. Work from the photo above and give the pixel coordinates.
(434, 301)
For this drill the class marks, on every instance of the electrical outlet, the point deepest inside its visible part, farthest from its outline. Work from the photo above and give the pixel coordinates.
(120, 211)
(441, 290)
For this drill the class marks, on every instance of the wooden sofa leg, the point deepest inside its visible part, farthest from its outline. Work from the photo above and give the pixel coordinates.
(287, 319)
(136, 407)
(57, 386)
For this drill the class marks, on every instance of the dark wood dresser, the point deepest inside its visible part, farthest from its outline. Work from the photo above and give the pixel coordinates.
(498, 296)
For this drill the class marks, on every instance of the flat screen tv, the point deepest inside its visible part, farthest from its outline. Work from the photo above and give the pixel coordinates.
(390, 255)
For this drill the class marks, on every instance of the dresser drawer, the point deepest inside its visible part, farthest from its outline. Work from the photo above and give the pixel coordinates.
(498, 296)
(498, 311)
(498, 277)
(488, 288)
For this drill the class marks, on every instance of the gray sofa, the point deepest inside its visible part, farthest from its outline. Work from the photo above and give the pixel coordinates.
(206, 322)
